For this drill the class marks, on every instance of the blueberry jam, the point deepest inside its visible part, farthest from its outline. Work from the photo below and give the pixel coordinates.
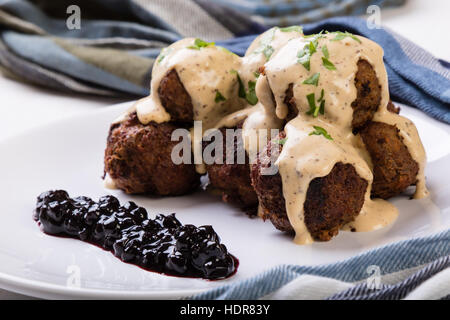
(162, 244)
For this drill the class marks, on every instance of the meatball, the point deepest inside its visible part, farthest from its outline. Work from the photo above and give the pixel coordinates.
(138, 159)
(331, 201)
(367, 100)
(175, 99)
(233, 180)
(393, 167)
(368, 95)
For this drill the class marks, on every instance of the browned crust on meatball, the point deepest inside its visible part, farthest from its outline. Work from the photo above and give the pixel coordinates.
(393, 167)
(368, 97)
(289, 101)
(233, 180)
(331, 201)
(269, 187)
(175, 99)
(138, 159)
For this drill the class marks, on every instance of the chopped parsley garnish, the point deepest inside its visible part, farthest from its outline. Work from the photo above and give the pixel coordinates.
(292, 29)
(164, 52)
(250, 96)
(342, 35)
(315, 35)
(322, 107)
(314, 109)
(320, 131)
(219, 97)
(256, 74)
(325, 52)
(265, 48)
(328, 64)
(321, 95)
(304, 55)
(313, 80)
(199, 43)
(281, 141)
(241, 92)
(268, 51)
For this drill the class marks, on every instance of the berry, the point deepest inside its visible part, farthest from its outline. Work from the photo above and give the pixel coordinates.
(162, 244)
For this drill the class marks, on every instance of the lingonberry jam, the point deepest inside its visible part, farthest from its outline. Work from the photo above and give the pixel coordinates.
(162, 244)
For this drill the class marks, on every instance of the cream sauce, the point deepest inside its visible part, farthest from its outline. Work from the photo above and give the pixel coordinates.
(212, 69)
(204, 72)
(305, 156)
(260, 119)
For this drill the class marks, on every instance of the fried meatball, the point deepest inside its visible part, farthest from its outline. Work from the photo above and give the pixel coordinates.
(367, 100)
(368, 97)
(233, 180)
(331, 201)
(138, 159)
(393, 167)
(175, 99)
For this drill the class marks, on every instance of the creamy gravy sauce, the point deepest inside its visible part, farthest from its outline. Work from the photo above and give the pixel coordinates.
(204, 72)
(260, 118)
(304, 157)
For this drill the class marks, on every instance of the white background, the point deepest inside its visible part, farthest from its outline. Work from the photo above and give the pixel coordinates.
(426, 22)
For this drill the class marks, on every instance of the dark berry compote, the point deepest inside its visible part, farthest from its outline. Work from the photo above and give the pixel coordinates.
(162, 244)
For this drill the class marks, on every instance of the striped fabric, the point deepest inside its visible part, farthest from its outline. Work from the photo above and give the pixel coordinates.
(406, 270)
(113, 54)
(294, 12)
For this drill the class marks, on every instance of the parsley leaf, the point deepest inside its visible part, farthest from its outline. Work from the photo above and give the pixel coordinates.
(199, 43)
(322, 107)
(265, 48)
(268, 51)
(321, 95)
(342, 35)
(304, 55)
(313, 80)
(325, 52)
(241, 92)
(328, 64)
(164, 53)
(219, 97)
(320, 131)
(312, 104)
(250, 96)
(314, 109)
(304, 58)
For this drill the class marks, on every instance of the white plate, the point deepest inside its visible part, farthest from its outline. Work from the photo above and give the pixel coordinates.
(69, 155)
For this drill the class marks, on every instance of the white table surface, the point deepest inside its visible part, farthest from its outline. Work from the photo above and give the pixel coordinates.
(23, 106)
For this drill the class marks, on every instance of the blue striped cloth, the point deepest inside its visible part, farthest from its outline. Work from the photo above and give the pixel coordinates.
(417, 269)
(295, 12)
(114, 53)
